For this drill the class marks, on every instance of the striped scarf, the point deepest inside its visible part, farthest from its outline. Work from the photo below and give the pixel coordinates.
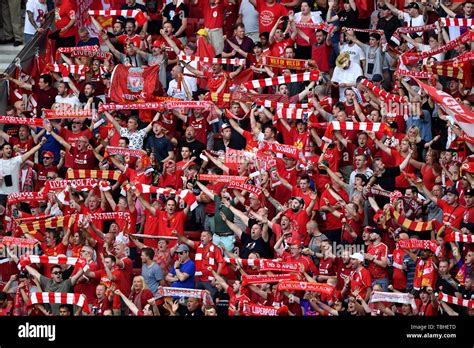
(199, 256)
(383, 39)
(222, 178)
(379, 92)
(417, 244)
(138, 15)
(94, 174)
(53, 260)
(412, 57)
(31, 227)
(79, 300)
(357, 126)
(407, 224)
(456, 301)
(293, 114)
(459, 237)
(186, 195)
(66, 69)
(275, 81)
(425, 274)
(78, 184)
(209, 60)
(410, 30)
(457, 22)
(18, 242)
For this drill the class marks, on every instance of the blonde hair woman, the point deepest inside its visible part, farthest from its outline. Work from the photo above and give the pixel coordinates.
(140, 293)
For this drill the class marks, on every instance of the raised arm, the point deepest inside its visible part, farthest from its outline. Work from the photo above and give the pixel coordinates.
(27, 155)
(237, 231)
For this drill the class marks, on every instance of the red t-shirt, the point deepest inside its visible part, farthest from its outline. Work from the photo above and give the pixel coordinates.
(23, 146)
(63, 14)
(327, 267)
(86, 287)
(135, 39)
(361, 280)
(71, 138)
(250, 142)
(41, 172)
(167, 225)
(332, 222)
(59, 249)
(268, 14)
(301, 218)
(200, 126)
(82, 159)
(218, 258)
(277, 49)
(453, 215)
(341, 270)
(378, 251)
(126, 277)
(213, 15)
(321, 55)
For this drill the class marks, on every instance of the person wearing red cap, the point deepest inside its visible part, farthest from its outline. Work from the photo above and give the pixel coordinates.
(48, 166)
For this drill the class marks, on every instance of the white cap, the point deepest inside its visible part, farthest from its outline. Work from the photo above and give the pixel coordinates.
(358, 256)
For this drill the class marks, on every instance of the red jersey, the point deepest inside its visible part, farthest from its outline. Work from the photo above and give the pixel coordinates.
(42, 172)
(82, 159)
(379, 251)
(135, 39)
(268, 14)
(453, 215)
(399, 277)
(214, 81)
(342, 270)
(167, 225)
(203, 264)
(250, 142)
(361, 280)
(63, 14)
(327, 266)
(59, 249)
(126, 277)
(277, 49)
(200, 126)
(213, 15)
(331, 222)
(300, 218)
(84, 286)
(23, 145)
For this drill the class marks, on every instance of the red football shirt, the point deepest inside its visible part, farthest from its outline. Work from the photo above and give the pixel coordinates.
(63, 14)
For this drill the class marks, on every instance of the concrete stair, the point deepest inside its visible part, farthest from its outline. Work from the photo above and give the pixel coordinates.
(7, 55)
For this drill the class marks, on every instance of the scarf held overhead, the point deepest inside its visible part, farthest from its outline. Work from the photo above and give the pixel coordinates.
(275, 81)
(79, 300)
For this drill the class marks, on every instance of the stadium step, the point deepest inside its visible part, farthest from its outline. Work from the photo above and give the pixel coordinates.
(8, 55)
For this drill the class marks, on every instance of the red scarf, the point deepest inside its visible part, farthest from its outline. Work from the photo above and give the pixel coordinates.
(306, 286)
(199, 256)
(425, 274)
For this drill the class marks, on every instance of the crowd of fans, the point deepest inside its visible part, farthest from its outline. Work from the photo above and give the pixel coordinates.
(348, 210)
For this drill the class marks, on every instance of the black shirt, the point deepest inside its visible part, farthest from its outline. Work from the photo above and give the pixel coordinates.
(176, 16)
(196, 148)
(250, 245)
(389, 26)
(387, 182)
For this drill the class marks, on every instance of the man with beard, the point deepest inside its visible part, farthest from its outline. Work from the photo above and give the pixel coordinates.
(23, 143)
(193, 144)
(208, 255)
(425, 272)
(360, 281)
(377, 259)
(88, 95)
(321, 50)
(300, 215)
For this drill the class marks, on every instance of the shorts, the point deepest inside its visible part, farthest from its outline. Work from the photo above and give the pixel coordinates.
(228, 241)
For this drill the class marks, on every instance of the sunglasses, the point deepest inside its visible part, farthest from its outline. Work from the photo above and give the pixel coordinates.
(181, 252)
(47, 157)
(56, 273)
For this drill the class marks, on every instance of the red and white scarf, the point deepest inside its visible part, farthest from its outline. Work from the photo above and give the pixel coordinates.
(66, 69)
(266, 265)
(124, 151)
(292, 114)
(209, 60)
(456, 301)
(55, 114)
(383, 94)
(306, 286)
(18, 242)
(108, 216)
(288, 150)
(78, 184)
(187, 104)
(383, 39)
(184, 292)
(265, 279)
(392, 297)
(417, 244)
(26, 260)
(186, 195)
(131, 106)
(457, 22)
(425, 274)
(417, 74)
(246, 187)
(93, 174)
(222, 178)
(275, 81)
(412, 57)
(138, 15)
(18, 197)
(459, 237)
(211, 258)
(410, 30)
(256, 310)
(21, 120)
(59, 298)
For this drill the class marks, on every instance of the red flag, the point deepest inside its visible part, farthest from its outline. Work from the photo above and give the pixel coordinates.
(204, 49)
(461, 115)
(132, 84)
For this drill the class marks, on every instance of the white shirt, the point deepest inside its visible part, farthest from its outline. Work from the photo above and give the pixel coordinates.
(174, 92)
(70, 100)
(356, 53)
(39, 10)
(346, 76)
(10, 167)
(413, 22)
(249, 17)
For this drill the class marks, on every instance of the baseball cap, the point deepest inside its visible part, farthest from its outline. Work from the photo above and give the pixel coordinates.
(225, 126)
(469, 192)
(357, 256)
(377, 78)
(157, 43)
(47, 153)
(181, 248)
(453, 191)
(413, 5)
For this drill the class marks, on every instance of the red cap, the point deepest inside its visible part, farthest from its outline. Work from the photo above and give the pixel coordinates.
(158, 42)
(377, 216)
(48, 153)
